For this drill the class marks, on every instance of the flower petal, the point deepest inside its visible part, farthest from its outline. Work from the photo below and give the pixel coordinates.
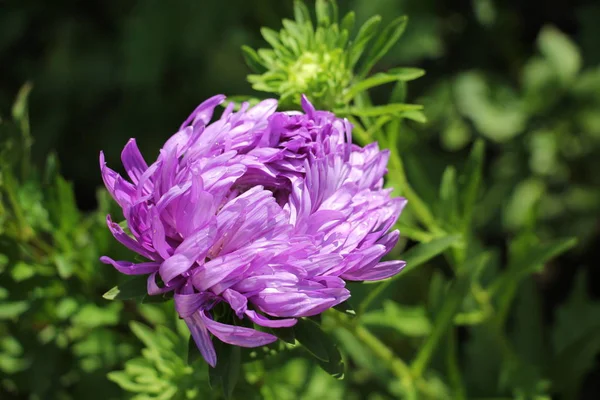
(237, 335)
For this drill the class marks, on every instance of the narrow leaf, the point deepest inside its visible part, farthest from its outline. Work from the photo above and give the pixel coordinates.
(310, 335)
(424, 252)
(363, 37)
(376, 111)
(347, 22)
(301, 12)
(228, 368)
(470, 182)
(253, 60)
(383, 44)
(400, 74)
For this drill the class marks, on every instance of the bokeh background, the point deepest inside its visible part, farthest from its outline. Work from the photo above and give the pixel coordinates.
(523, 75)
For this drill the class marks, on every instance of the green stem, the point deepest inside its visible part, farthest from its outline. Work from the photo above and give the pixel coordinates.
(397, 175)
(394, 364)
(441, 324)
(454, 376)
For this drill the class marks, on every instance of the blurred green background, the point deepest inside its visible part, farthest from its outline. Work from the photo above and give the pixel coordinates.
(523, 75)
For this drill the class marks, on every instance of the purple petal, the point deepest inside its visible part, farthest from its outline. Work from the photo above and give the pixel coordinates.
(237, 335)
(299, 303)
(203, 113)
(188, 304)
(153, 288)
(270, 323)
(129, 268)
(202, 338)
(174, 266)
(133, 161)
(377, 272)
(237, 301)
(126, 240)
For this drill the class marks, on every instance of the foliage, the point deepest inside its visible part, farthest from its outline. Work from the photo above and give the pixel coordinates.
(498, 170)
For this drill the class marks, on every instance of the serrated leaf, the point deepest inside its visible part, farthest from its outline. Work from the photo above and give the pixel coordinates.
(383, 44)
(133, 288)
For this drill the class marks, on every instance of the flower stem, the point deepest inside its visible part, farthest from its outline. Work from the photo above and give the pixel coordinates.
(394, 364)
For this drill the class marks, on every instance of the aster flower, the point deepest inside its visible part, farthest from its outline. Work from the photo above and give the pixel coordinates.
(267, 212)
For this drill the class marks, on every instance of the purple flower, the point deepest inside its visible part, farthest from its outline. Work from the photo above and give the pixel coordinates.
(269, 212)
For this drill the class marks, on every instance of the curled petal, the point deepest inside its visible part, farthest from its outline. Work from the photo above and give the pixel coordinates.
(377, 272)
(129, 268)
(237, 335)
(201, 337)
(261, 320)
(188, 304)
(126, 240)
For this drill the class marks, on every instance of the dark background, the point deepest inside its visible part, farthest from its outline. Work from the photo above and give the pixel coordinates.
(106, 71)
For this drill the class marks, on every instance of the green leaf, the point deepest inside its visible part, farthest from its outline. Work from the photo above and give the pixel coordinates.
(414, 257)
(133, 288)
(496, 111)
(301, 12)
(376, 111)
(310, 335)
(324, 17)
(409, 321)
(383, 44)
(521, 210)
(345, 308)
(397, 74)
(452, 302)
(19, 109)
(347, 22)
(560, 51)
(321, 346)
(13, 309)
(470, 182)
(526, 258)
(363, 37)
(285, 334)
(22, 271)
(92, 316)
(448, 206)
(575, 339)
(227, 371)
(424, 252)
(253, 60)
